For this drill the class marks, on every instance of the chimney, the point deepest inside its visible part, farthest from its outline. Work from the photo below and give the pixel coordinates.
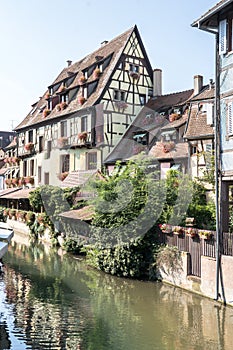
(69, 62)
(157, 82)
(198, 84)
(104, 42)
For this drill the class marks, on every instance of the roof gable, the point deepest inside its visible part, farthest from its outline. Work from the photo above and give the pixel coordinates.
(69, 83)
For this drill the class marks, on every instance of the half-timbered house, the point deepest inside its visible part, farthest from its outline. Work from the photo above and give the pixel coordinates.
(85, 111)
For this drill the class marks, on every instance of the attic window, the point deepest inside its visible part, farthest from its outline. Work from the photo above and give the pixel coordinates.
(134, 68)
(119, 95)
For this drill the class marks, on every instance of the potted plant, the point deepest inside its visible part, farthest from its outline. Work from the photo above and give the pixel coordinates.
(165, 228)
(178, 230)
(82, 136)
(15, 160)
(62, 88)
(168, 146)
(29, 146)
(15, 181)
(82, 79)
(29, 180)
(47, 95)
(63, 105)
(81, 100)
(205, 234)
(190, 231)
(22, 181)
(96, 73)
(46, 112)
(62, 176)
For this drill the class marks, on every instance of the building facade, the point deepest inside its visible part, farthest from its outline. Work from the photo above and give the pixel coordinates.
(85, 111)
(218, 21)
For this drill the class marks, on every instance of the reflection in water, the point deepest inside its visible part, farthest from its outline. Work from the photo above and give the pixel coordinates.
(53, 301)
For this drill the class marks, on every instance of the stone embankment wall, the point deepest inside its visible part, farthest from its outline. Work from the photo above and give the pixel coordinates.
(206, 284)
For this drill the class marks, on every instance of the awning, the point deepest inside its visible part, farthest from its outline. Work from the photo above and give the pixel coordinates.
(20, 194)
(8, 190)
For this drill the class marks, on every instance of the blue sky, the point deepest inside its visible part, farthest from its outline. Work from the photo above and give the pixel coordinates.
(38, 37)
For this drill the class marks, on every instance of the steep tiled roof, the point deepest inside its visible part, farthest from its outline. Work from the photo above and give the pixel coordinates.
(180, 151)
(205, 94)
(198, 127)
(163, 102)
(176, 123)
(112, 50)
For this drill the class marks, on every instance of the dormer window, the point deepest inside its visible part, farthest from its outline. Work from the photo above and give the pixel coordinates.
(141, 138)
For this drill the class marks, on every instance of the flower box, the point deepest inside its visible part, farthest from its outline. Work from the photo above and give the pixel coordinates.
(166, 228)
(205, 234)
(29, 146)
(190, 231)
(178, 230)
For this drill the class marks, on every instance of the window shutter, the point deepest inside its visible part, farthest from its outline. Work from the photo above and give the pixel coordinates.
(209, 113)
(223, 37)
(230, 119)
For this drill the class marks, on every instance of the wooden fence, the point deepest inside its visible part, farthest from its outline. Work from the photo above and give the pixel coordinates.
(196, 247)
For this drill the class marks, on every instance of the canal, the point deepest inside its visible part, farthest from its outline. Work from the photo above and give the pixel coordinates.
(51, 300)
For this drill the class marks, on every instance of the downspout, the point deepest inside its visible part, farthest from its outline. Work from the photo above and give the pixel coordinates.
(217, 165)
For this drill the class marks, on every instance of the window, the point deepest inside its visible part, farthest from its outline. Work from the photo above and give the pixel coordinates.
(84, 126)
(41, 143)
(39, 174)
(65, 163)
(49, 148)
(32, 167)
(141, 138)
(142, 99)
(46, 178)
(91, 160)
(134, 68)
(25, 168)
(230, 119)
(225, 36)
(30, 136)
(64, 129)
(119, 95)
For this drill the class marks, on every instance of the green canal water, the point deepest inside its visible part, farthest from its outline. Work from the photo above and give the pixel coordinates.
(50, 300)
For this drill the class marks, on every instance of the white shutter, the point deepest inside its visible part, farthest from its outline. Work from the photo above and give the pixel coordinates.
(230, 119)
(209, 113)
(223, 37)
